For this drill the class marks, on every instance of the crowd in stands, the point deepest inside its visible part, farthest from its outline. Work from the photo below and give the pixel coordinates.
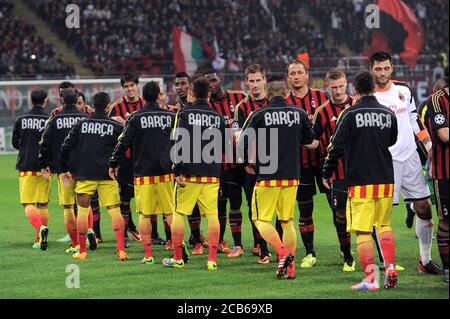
(25, 54)
(137, 35)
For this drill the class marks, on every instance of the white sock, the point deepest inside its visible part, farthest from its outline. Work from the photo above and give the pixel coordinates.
(424, 232)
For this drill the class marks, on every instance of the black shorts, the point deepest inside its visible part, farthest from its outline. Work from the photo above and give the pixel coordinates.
(126, 180)
(441, 190)
(339, 194)
(232, 181)
(309, 177)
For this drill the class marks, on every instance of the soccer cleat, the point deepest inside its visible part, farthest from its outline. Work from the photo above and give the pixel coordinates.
(72, 250)
(308, 262)
(122, 255)
(92, 240)
(198, 249)
(263, 260)
(283, 264)
(236, 252)
(126, 242)
(256, 251)
(149, 261)
(223, 248)
(158, 241)
(446, 275)
(80, 256)
(397, 267)
(366, 286)
(212, 265)
(409, 221)
(36, 246)
(290, 271)
(390, 277)
(204, 241)
(43, 236)
(64, 239)
(431, 268)
(186, 254)
(98, 239)
(169, 245)
(173, 263)
(136, 235)
(349, 266)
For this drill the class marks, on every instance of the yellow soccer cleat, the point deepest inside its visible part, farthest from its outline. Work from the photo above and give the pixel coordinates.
(149, 261)
(173, 263)
(308, 262)
(72, 250)
(399, 268)
(212, 265)
(80, 256)
(349, 268)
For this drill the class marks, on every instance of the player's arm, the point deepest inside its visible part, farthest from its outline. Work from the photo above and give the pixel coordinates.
(124, 142)
(418, 126)
(70, 143)
(17, 133)
(307, 132)
(177, 137)
(336, 148)
(246, 137)
(438, 119)
(394, 130)
(45, 146)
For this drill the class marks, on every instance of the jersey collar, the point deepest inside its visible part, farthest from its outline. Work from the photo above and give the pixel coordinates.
(387, 88)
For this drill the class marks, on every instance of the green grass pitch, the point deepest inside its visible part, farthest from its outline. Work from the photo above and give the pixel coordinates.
(29, 273)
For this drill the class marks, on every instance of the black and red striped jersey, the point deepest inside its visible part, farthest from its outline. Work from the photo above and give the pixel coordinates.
(247, 106)
(89, 110)
(437, 115)
(226, 107)
(124, 108)
(312, 100)
(324, 122)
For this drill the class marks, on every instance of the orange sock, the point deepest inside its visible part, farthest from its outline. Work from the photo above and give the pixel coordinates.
(118, 226)
(32, 214)
(91, 219)
(269, 233)
(213, 236)
(82, 227)
(387, 242)
(71, 225)
(177, 229)
(43, 214)
(366, 255)
(289, 236)
(145, 229)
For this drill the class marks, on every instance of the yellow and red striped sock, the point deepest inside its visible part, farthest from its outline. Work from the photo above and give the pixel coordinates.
(269, 233)
(71, 225)
(118, 225)
(177, 229)
(44, 215)
(289, 236)
(366, 255)
(387, 242)
(32, 214)
(213, 236)
(82, 227)
(145, 229)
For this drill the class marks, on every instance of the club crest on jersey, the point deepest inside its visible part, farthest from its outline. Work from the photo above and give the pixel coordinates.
(439, 119)
(313, 104)
(402, 97)
(231, 108)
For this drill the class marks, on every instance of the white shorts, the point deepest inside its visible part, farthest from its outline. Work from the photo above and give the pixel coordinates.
(410, 180)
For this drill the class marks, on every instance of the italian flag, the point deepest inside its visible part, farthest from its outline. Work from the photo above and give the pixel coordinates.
(188, 52)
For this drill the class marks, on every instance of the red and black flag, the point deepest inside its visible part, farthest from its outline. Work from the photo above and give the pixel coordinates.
(399, 32)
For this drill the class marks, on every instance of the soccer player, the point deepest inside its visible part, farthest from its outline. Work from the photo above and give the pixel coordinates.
(34, 189)
(197, 177)
(119, 110)
(372, 129)
(147, 131)
(307, 99)
(255, 78)
(277, 180)
(62, 86)
(95, 138)
(409, 178)
(438, 118)
(324, 122)
(232, 180)
(56, 130)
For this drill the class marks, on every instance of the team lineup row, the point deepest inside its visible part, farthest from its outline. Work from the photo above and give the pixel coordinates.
(89, 150)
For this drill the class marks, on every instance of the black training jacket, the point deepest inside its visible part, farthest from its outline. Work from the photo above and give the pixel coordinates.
(56, 130)
(94, 139)
(198, 120)
(27, 133)
(293, 129)
(363, 135)
(148, 132)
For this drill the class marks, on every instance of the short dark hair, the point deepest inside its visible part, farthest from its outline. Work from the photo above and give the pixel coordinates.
(38, 97)
(276, 86)
(129, 77)
(182, 75)
(101, 101)
(296, 61)
(65, 85)
(151, 91)
(364, 83)
(255, 68)
(69, 95)
(212, 71)
(200, 87)
(379, 56)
